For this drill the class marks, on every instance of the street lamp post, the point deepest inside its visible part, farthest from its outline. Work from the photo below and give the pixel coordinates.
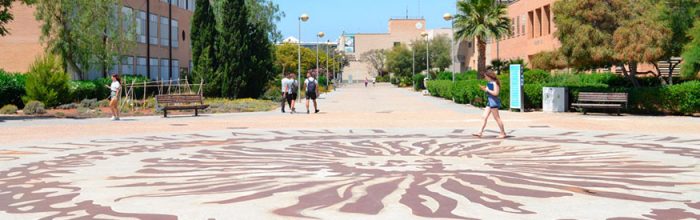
(450, 18)
(413, 62)
(302, 18)
(328, 56)
(318, 39)
(427, 54)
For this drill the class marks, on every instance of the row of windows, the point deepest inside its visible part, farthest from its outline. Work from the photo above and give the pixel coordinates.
(184, 4)
(159, 67)
(158, 33)
(539, 21)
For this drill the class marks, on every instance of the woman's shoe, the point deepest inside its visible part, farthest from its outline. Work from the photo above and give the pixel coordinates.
(477, 135)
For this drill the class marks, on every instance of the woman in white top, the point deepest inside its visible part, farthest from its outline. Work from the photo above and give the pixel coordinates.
(114, 96)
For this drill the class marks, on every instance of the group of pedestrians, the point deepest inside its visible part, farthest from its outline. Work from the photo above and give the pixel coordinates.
(290, 88)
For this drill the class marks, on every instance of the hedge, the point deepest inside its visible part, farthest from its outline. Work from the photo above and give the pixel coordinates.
(418, 82)
(12, 88)
(679, 99)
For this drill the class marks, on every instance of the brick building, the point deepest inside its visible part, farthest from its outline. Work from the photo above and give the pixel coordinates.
(162, 52)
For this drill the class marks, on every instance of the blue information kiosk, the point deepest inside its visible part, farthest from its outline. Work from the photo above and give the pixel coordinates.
(516, 87)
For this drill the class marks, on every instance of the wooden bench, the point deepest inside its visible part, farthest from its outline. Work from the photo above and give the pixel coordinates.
(598, 100)
(180, 102)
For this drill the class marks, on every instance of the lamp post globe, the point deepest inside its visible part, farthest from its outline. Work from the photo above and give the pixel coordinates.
(447, 17)
(304, 17)
(321, 34)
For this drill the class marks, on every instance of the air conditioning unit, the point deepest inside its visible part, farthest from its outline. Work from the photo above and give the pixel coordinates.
(554, 99)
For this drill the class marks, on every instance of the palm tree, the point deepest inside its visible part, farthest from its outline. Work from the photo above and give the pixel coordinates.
(481, 19)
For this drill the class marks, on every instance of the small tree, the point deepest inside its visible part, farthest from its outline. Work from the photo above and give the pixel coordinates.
(376, 59)
(691, 54)
(678, 16)
(399, 61)
(548, 60)
(47, 82)
(203, 39)
(86, 34)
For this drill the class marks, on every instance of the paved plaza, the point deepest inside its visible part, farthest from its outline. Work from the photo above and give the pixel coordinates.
(373, 153)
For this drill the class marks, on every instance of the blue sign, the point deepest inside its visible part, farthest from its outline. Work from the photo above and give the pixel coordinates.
(516, 85)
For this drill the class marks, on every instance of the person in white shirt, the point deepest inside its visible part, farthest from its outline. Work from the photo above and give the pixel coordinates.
(290, 87)
(114, 89)
(284, 93)
(311, 92)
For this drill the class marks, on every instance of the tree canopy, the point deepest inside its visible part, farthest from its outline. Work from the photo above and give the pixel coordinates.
(483, 20)
(87, 34)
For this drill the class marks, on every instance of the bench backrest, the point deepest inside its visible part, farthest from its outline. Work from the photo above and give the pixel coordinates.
(172, 99)
(602, 97)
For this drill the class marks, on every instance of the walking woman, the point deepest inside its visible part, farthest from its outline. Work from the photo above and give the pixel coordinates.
(114, 96)
(492, 89)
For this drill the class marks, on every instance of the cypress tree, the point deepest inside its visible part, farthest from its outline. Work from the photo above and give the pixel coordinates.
(203, 38)
(233, 54)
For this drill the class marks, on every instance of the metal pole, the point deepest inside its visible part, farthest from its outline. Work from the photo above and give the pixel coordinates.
(327, 57)
(452, 51)
(427, 56)
(170, 40)
(318, 39)
(299, 56)
(148, 39)
(414, 60)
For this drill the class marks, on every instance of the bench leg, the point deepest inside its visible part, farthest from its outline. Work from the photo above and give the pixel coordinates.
(618, 112)
(196, 112)
(165, 113)
(584, 111)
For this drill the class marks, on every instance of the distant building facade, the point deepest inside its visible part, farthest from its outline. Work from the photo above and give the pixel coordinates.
(156, 31)
(532, 27)
(401, 32)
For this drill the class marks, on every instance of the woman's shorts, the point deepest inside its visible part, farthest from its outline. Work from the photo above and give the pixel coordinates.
(494, 103)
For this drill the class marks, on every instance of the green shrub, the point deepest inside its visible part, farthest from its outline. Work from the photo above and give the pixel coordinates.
(385, 78)
(444, 76)
(86, 90)
(46, 82)
(12, 88)
(536, 76)
(418, 80)
(9, 109)
(34, 108)
(469, 75)
(680, 99)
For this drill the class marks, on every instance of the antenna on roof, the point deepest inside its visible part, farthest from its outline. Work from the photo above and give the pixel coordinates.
(406, 11)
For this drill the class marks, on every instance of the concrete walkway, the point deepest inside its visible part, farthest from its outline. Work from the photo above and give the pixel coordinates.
(372, 153)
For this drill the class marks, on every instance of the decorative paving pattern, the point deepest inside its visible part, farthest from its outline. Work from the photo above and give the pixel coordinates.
(351, 174)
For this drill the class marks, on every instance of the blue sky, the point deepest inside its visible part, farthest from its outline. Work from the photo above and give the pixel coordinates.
(356, 16)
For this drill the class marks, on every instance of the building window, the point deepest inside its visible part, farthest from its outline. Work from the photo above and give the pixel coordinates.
(523, 20)
(396, 44)
(164, 72)
(127, 65)
(182, 4)
(164, 31)
(190, 5)
(538, 13)
(141, 66)
(531, 22)
(176, 70)
(154, 69)
(173, 34)
(154, 29)
(141, 27)
(548, 18)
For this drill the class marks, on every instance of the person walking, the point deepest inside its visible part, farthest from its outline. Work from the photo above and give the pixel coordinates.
(291, 88)
(492, 89)
(283, 87)
(311, 92)
(366, 82)
(114, 89)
